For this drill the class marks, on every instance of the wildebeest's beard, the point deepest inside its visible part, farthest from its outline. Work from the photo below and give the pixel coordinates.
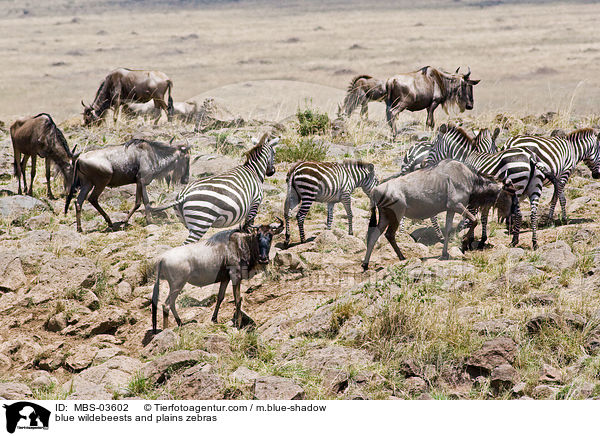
(182, 169)
(264, 246)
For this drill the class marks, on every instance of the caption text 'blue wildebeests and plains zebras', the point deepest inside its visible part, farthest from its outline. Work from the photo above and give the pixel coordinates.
(524, 170)
(562, 156)
(325, 182)
(226, 199)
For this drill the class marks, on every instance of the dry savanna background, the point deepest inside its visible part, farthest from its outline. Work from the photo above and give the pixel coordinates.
(500, 323)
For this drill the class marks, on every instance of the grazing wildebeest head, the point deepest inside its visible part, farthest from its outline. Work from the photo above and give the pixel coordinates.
(124, 85)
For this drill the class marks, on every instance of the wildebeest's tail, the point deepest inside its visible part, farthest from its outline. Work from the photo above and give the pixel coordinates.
(155, 293)
(74, 184)
(170, 109)
(166, 206)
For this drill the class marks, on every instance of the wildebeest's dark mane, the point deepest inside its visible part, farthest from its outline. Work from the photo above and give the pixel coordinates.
(356, 79)
(448, 84)
(220, 237)
(56, 132)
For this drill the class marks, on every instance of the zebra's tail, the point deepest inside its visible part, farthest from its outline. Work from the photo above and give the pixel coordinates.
(544, 169)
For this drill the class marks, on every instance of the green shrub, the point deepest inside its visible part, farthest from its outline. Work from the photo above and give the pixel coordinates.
(312, 122)
(303, 149)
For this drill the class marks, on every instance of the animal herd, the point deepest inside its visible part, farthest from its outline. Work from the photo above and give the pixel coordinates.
(454, 172)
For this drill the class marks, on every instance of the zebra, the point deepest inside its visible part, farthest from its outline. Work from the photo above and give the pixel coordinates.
(226, 199)
(325, 182)
(562, 154)
(517, 166)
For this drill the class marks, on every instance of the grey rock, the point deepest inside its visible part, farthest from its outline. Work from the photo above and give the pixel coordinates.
(535, 324)
(289, 260)
(503, 377)
(539, 299)
(545, 392)
(12, 276)
(557, 255)
(161, 368)
(106, 354)
(17, 205)
(42, 380)
(317, 324)
(82, 356)
(15, 391)
(549, 374)
(519, 389)
(415, 385)
(198, 383)
(493, 326)
(336, 357)
(80, 389)
(114, 373)
(217, 344)
(277, 388)
(244, 375)
(161, 343)
(57, 322)
(104, 321)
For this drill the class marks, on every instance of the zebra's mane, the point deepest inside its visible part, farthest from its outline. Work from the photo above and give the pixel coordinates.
(255, 151)
(460, 132)
(358, 163)
(585, 132)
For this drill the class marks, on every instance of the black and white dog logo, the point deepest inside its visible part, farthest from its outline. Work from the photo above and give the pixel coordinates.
(26, 415)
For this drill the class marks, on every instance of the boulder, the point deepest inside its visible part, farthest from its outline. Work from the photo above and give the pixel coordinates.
(493, 353)
(18, 205)
(545, 392)
(198, 383)
(42, 380)
(12, 276)
(57, 322)
(82, 356)
(336, 357)
(80, 389)
(494, 326)
(503, 377)
(539, 299)
(277, 388)
(15, 391)
(289, 261)
(549, 374)
(161, 343)
(105, 321)
(415, 385)
(114, 373)
(244, 375)
(557, 255)
(316, 324)
(217, 344)
(535, 324)
(160, 369)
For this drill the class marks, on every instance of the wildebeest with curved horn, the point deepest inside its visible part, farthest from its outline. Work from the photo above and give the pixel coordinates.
(427, 88)
(137, 161)
(362, 90)
(40, 136)
(124, 85)
(230, 255)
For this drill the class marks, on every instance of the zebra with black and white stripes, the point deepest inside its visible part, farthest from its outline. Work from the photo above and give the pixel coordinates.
(325, 182)
(517, 166)
(562, 154)
(226, 199)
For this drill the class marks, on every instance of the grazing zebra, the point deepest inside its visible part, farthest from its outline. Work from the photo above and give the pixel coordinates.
(562, 154)
(226, 199)
(517, 165)
(325, 182)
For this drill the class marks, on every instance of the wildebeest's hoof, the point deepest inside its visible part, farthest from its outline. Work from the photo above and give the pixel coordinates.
(444, 257)
(481, 245)
(365, 266)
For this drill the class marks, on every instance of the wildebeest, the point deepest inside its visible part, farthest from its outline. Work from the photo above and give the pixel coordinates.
(230, 255)
(427, 88)
(124, 85)
(40, 136)
(450, 186)
(182, 110)
(137, 161)
(362, 90)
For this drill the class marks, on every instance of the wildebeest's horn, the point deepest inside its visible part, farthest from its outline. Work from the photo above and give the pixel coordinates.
(74, 148)
(83, 104)
(457, 70)
(171, 141)
(468, 73)
(277, 228)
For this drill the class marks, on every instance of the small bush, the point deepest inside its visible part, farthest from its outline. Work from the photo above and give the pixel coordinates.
(304, 149)
(312, 122)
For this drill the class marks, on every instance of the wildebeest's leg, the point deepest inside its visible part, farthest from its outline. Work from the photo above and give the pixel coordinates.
(484, 221)
(138, 201)
(390, 115)
(390, 233)
(85, 189)
(220, 296)
(447, 230)
(237, 296)
(430, 122)
(48, 168)
(301, 215)
(291, 201)
(160, 104)
(33, 169)
(373, 233)
(93, 199)
(330, 207)
(23, 172)
(18, 170)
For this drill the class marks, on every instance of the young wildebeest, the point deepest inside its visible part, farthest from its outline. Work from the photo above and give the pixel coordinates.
(124, 85)
(450, 186)
(230, 255)
(362, 90)
(137, 161)
(39, 136)
(182, 110)
(427, 88)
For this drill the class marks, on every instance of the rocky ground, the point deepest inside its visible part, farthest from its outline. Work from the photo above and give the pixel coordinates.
(498, 323)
